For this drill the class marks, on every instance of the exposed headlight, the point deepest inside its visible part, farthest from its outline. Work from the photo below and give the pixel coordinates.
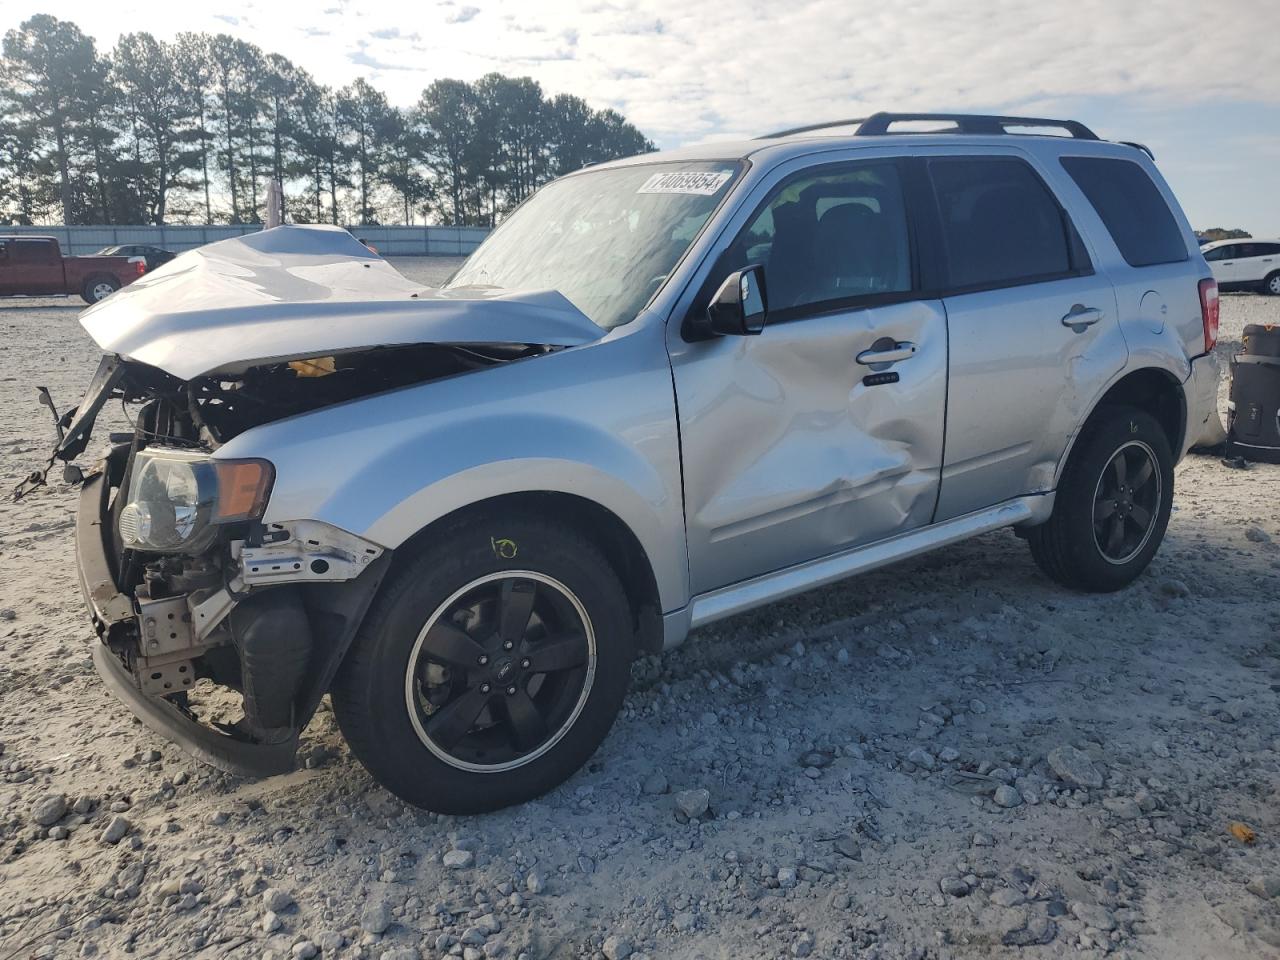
(177, 498)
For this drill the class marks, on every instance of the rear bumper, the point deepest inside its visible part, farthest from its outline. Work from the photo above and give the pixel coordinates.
(1204, 424)
(113, 614)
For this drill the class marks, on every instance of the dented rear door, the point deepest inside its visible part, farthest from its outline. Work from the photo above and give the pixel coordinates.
(825, 431)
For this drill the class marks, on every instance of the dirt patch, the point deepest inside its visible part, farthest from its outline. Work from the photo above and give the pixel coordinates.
(904, 765)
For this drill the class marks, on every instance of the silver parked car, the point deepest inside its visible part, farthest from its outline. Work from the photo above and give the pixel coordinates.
(666, 390)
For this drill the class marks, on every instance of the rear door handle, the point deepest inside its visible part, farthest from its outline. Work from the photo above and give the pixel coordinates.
(1081, 316)
(899, 351)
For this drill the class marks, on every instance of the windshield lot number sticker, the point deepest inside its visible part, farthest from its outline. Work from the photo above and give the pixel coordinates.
(700, 182)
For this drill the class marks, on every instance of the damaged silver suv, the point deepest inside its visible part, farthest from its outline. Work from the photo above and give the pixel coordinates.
(666, 390)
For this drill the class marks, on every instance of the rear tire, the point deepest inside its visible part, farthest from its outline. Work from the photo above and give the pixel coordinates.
(440, 696)
(1271, 285)
(1112, 505)
(96, 289)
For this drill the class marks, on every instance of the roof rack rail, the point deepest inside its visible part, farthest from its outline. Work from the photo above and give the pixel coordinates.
(878, 124)
(1138, 146)
(812, 126)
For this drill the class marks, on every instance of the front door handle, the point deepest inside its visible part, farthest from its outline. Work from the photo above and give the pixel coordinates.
(1081, 316)
(899, 351)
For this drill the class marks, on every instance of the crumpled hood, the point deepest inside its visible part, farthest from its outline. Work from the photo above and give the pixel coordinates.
(294, 292)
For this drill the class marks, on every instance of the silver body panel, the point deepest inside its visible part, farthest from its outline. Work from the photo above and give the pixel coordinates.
(790, 457)
(748, 468)
(298, 292)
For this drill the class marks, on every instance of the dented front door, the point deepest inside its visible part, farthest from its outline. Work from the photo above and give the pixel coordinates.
(794, 449)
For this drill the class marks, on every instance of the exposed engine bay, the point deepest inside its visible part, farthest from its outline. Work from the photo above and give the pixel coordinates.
(187, 593)
(210, 410)
(185, 580)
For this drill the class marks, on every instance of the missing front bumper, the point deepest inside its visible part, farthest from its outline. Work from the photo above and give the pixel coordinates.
(334, 612)
(205, 743)
(112, 611)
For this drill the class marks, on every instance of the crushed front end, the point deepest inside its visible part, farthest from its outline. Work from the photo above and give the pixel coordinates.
(222, 623)
(185, 582)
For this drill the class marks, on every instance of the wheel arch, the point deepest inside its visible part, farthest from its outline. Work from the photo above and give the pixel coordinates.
(1152, 389)
(619, 543)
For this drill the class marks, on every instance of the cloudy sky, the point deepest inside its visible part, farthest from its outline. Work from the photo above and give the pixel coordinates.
(1199, 81)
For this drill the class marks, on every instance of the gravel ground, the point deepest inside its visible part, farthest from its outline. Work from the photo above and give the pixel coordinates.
(950, 758)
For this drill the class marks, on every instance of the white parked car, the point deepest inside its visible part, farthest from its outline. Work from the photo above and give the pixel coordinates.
(1245, 264)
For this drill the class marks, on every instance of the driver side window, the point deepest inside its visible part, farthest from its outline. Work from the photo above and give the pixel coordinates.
(828, 236)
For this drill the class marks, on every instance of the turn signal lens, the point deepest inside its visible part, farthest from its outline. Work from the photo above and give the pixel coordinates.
(243, 486)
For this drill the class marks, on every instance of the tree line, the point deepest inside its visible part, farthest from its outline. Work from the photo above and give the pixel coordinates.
(192, 130)
(1223, 233)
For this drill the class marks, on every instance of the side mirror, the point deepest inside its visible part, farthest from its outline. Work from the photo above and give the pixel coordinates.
(739, 307)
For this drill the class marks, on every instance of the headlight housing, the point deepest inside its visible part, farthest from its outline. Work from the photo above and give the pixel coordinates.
(177, 498)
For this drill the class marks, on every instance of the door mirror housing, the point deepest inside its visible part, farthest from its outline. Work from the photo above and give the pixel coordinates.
(740, 305)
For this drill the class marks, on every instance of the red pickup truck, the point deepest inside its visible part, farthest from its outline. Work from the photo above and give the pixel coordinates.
(35, 267)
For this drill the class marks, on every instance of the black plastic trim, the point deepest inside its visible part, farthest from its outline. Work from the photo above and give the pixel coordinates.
(972, 123)
(335, 612)
(107, 605)
(162, 717)
(877, 125)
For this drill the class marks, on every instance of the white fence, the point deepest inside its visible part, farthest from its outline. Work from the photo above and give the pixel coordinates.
(390, 241)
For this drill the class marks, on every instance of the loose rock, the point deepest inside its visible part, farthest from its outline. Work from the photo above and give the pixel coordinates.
(1074, 767)
(921, 758)
(459, 859)
(1037, 932)
(1093, 916)
(115, 830)
(1268, 888)
(617, 948)
(1007, 796)
(48, 810)
(655, 784)
(693, 803)
(277, 900)
(376, 917)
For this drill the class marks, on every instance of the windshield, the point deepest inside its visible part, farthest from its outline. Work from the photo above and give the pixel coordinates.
(605, 239)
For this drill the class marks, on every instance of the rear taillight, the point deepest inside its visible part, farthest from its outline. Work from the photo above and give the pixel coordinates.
(1209, 311)
(142, 268)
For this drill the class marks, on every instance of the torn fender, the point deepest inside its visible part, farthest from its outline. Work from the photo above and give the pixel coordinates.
(293, 292)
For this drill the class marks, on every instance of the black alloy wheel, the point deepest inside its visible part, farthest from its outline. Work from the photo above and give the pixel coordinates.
(1126, 502)
(500, 671)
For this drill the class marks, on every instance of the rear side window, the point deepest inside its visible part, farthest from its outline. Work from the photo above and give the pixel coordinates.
(1247, 250)
(32, 251)
(1131, 207)
(1000, 224)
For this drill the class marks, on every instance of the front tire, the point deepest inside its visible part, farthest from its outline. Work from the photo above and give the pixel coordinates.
(1271, 285)
(1112, 505)
(490, 667)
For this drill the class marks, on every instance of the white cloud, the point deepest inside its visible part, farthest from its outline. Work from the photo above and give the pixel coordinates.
(686, 71)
